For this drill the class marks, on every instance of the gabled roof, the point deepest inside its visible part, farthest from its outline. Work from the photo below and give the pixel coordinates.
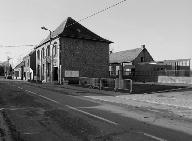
(73, 29)
(124, 56)
(19, 65)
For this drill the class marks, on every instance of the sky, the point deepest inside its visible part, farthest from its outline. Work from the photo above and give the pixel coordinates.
(164, 26)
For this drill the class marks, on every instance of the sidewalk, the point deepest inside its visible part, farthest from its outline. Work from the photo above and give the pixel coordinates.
(179, 103)
(77, 90)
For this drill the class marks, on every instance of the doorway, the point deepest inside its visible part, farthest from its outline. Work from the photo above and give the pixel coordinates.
(55, 74)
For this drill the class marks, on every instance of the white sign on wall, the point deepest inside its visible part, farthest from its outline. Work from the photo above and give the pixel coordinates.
(69, 73)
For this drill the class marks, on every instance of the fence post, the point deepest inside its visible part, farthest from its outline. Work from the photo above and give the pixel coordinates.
(131, 84)
(100, 84)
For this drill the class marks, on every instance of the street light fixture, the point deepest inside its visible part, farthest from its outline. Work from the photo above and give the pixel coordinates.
(44, 28)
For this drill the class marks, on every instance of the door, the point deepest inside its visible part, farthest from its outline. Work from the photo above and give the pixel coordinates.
(55, 74)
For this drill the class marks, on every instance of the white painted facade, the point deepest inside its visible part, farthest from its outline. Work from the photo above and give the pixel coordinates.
(47, 61)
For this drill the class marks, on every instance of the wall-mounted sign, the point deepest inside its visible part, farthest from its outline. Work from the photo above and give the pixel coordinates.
(69, 73)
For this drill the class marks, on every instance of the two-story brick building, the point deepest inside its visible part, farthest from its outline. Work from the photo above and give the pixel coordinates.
(72, 50)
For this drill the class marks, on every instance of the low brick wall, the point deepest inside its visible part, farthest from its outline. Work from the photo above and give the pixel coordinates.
(172, 79)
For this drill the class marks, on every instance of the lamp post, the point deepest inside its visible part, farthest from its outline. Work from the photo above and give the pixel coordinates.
(44, 28)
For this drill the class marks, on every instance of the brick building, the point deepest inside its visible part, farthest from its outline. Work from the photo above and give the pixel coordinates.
(29, 66)
(126, 61)
(72, 50)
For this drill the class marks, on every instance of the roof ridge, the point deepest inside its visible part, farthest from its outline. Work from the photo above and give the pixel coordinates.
(128, 50)
(124, 56)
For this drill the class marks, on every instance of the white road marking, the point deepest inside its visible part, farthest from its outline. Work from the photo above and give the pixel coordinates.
(95, 116)
(42, 96)
(30, 133)
(152, 136)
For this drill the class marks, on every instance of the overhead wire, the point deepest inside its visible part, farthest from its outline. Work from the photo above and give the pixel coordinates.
(15, 46)
(83, 19)
(98, 12)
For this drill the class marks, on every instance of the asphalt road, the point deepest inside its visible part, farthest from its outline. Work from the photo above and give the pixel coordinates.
(113, 124)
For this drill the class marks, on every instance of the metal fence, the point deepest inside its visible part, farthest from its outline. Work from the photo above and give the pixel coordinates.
(109, 83)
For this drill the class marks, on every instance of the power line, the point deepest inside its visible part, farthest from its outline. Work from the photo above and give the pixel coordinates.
(96, 13)
(103, 10)
(83, 19)
(16, 46)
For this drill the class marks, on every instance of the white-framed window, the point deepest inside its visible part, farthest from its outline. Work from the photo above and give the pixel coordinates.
(117, 70)
(55, 49)
(38, 54)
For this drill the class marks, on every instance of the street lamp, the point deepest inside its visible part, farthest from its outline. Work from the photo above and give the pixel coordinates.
(44, 28)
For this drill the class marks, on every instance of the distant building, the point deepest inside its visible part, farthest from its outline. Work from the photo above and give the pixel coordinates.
(126, 61)
(18, 71)
(29, 66)
(72, 51)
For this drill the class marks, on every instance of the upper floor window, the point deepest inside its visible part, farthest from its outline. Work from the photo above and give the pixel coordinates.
(55, 49)
(28, 62)
(38, 54)
(142, 59)
(43, 53)
(48, 51)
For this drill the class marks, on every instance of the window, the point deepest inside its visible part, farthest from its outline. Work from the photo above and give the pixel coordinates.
(38, 54)
(38, 70)
(55, 49)
(28, 62)
(48, 50)
(48, 69)
(43, 53)
(117, 70)
(142, 59)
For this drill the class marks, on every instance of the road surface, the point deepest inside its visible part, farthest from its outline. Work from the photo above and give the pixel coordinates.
(82, 114)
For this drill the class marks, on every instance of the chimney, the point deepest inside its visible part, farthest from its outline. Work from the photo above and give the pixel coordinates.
(143, 46)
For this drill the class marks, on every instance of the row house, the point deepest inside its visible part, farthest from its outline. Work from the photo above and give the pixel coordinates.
(26, 70)
(71, 51)
(29, 66)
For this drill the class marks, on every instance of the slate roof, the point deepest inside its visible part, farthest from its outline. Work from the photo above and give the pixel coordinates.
(19, 65)
(124, 56)
(73, 29)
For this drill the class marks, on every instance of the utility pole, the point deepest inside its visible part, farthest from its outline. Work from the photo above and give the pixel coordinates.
(7, 69)
(51, 54)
